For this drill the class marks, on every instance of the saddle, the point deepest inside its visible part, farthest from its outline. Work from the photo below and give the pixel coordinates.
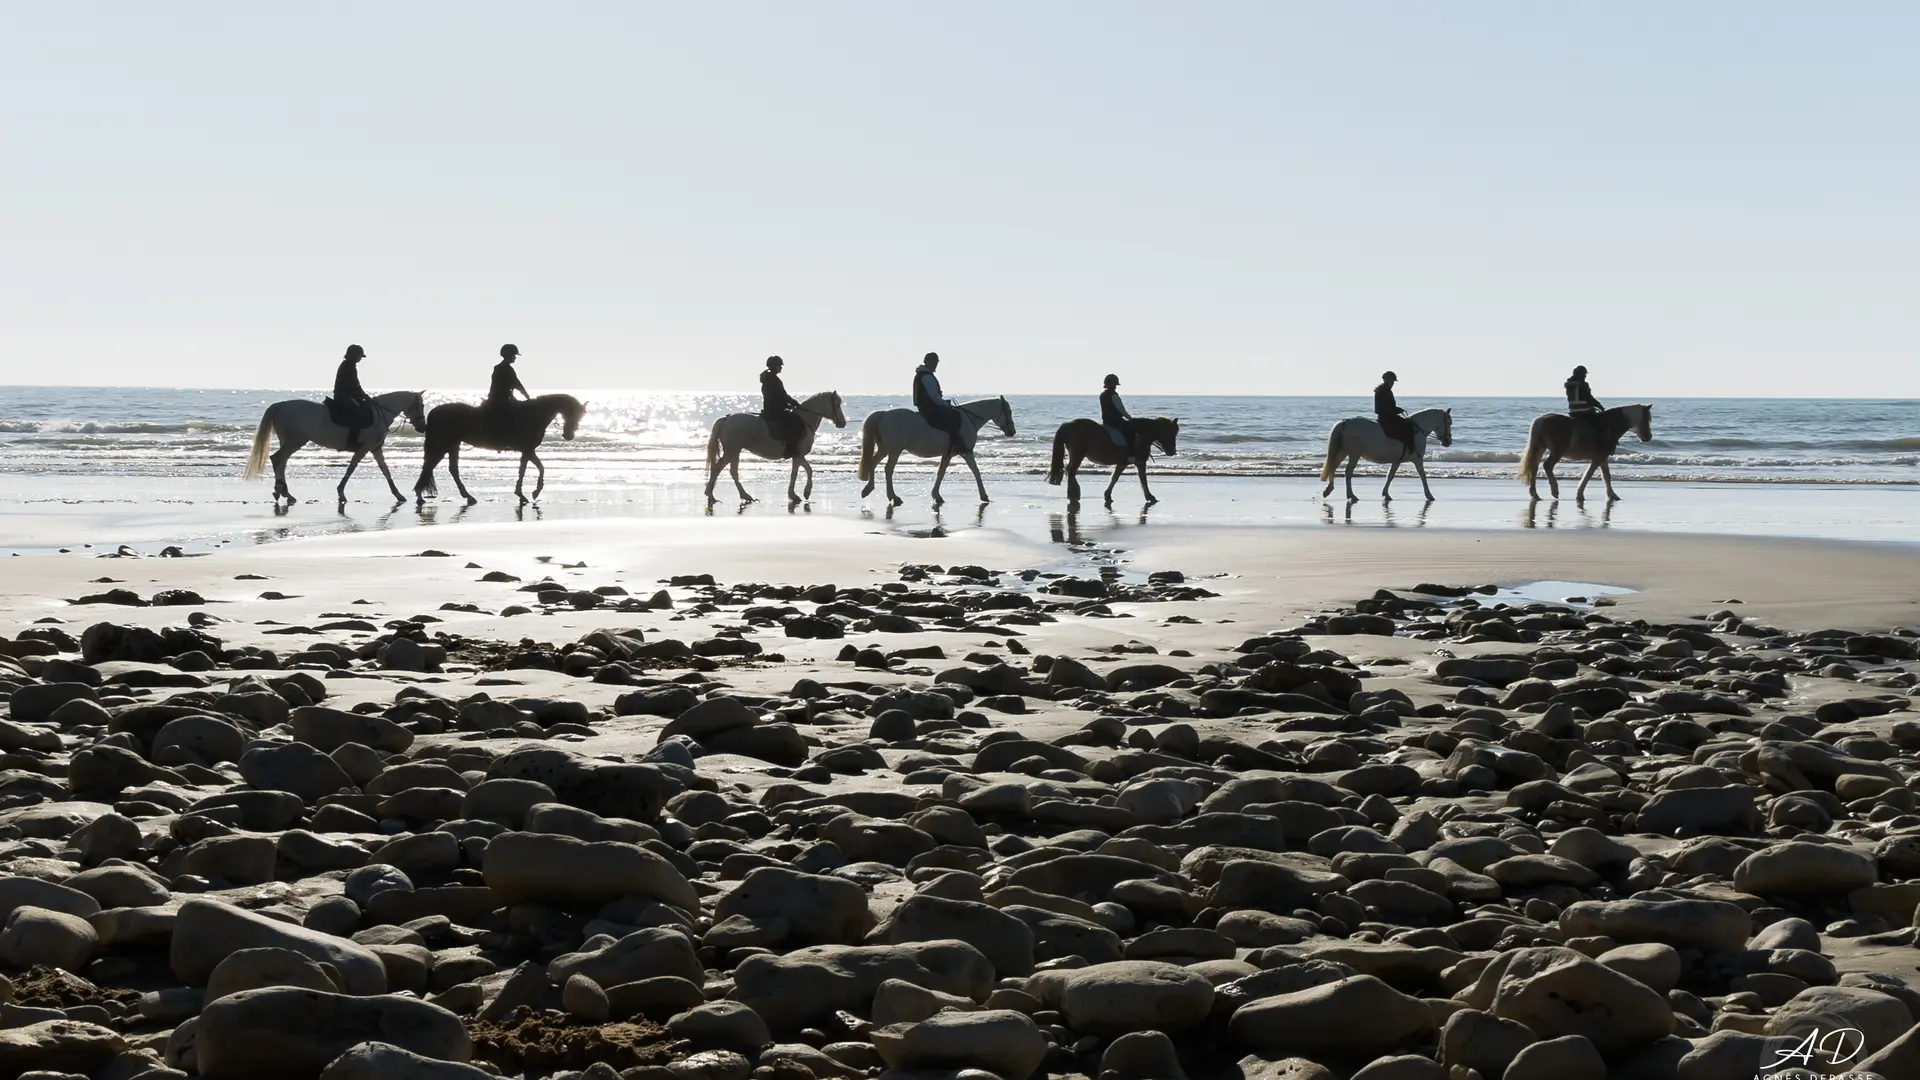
(348, 415)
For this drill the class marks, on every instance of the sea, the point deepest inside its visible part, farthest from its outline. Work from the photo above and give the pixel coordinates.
(146, 466)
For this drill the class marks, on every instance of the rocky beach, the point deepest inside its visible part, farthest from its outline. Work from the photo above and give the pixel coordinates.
(714, 800)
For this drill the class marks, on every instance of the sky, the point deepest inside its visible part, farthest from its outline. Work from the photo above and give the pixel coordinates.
(1711, 198)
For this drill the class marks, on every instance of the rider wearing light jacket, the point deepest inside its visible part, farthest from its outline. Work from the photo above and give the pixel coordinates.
(1114, 414)
(934, 407)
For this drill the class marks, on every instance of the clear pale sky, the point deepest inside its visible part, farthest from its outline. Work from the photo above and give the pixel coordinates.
(1267, 197)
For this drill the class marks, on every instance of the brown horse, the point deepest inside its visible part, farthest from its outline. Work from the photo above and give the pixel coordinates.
(1079, 440)
(1559, 436)
(456, 423)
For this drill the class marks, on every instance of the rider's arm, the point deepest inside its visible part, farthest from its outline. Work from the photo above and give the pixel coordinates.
(517, 385)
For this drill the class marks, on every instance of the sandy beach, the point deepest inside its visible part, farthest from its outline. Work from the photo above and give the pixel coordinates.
(1153, 802)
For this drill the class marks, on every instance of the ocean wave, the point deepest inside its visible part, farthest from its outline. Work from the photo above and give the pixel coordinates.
(111, 427)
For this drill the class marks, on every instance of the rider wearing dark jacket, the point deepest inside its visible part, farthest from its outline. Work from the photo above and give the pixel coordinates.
(1114, 414)
(933, 406)
(1584, 407)
(778, 408)
(1393, 419)
(352, 404)
(505, 384)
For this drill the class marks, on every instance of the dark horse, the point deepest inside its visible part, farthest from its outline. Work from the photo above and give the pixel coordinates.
(1088, 440)
(1557, 435)
(456, 423)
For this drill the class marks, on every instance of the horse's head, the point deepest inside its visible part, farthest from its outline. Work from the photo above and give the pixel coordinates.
(1166, 435)
(1003, 417)
(415, 408)
(572, 410)
(1445, 430)
(1641, 417)
(827, 403)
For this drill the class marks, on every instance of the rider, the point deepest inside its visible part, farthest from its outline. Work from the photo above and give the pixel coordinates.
(936, 409)
(506, 383)
(778, 408)
(1584, 407)
(1393, 418)
(353, 405)
(1113, 413)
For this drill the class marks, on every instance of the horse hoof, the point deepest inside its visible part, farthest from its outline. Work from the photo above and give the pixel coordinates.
(1152, 502)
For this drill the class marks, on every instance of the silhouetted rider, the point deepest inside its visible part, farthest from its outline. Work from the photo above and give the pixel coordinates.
(934, 407)
(353, 408)
(779, 409)
(1393, 419)
(505, 384)
(1585, 408)
(1114, 414)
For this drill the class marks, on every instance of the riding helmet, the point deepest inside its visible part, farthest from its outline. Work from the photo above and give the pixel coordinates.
(355, 352)
(932, 358)
(1113, 380)
(1389, 377)
(774, 361)
(1580, 371)
(508, 352)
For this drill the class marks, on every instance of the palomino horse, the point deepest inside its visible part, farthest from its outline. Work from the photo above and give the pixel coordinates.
(1079, 440)
(894, 432)
(456, 423)
(1559, 436)
(1362, 437)
(749, 432)
(297, 423)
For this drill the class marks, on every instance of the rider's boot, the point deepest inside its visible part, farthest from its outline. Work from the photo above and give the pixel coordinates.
(353, 439)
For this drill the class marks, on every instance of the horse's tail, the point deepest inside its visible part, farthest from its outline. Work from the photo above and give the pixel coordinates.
(869, 446)
(1056, 473)
(257, 460)
(713, 447)
(1530, 461)
(1336, 449)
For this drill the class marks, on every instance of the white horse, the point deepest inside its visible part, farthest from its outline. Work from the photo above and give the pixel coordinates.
(893, 432)
(1362, 437)
(749, 432)
(297, 423)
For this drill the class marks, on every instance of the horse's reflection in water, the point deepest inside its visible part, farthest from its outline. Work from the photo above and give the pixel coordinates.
(520, 512)
(1397, 519)
(1531, 518)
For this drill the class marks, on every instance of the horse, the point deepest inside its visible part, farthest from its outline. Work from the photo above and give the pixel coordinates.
(456, 423)
(1079, 440)
(749, 432)
(892, 432)
(296, 423)
(1363, 437)
(1558, 436)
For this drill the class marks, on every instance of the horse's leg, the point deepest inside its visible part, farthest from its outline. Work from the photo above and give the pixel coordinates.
(1580, 493)
(733, 470)
(453, 466)
(1420, 465)
(793, 478)
(539, 475)
(939, 475)
(352, 464)
(1141, 467)
(380, 459)
(429, 460)
(521, 483)
(893, 496)
(1118, 471)
(977, 482)
(1606, 473)
(280, 459)
(807, 492)
(713, 477)
(1553, 482)
(1386, 490)
(1352, 464)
